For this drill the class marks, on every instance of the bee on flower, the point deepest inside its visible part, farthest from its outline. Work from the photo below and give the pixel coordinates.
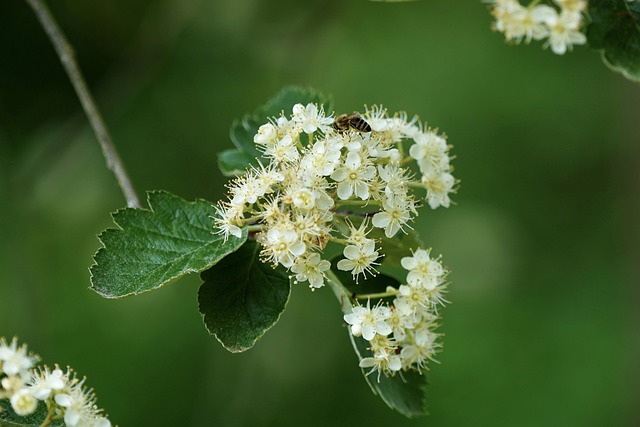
(335, 184)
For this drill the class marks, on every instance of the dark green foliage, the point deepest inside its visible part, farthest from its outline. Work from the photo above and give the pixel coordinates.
(233, 161)
(615, 31)
(8, 417)
(154, 247)
(242, 297)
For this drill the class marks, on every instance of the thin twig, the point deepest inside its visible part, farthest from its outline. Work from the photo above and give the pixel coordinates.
(67, 57)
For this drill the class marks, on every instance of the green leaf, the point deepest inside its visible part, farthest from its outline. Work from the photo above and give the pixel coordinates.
(615, 31)
(154, 247)
(8, 418)
(397, 247)
(242, 298)
(369, 285)
(405, 393)
(243, 131)
(234, 162)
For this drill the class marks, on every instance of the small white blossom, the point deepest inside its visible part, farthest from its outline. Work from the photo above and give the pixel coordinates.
(227, 220)
(266, 135)
(438, 188)
(573, 5)
(377, 118)
(311, 268)
(23, 402)
(421, 349)
(565, 31)
(311, 118)
(360, 259)
(368, 321)
(282, 150)
(562, 25)
(353, 177)
(396, 213)
(282, 246)
(430, 151)
(423, 270)
(323, 157)
(45, 382)
(14, 360)
(383, 361)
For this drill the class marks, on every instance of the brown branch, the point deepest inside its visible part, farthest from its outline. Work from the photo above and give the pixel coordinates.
(67, 57)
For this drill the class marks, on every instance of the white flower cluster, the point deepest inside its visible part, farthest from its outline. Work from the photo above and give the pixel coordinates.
(561, 24)
(321, 173)
(64, 394)
(401, 334)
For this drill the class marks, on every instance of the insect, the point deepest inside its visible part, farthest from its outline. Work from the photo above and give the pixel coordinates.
(351, 121)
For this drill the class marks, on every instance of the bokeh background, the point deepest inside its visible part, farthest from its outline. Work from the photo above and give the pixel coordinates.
(543, 244)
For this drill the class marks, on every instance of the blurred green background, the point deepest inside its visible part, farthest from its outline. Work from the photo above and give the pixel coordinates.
(543, 244)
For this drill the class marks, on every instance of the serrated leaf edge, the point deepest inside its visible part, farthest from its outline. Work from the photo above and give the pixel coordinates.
(119, 228)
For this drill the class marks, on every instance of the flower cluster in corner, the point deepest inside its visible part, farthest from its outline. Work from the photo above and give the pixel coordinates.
(402, 335)
(24, 385)
(334, 181)
(561, 25)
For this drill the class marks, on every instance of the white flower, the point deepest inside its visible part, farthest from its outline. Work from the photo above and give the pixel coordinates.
(430, 151)
(78, 404)
(438, 187)
(284, 149)
(323, 157)
(311, 118)
(383, 360)
(573, 5)
(311, 268)
(377, 118)
(226, 221)
(564, 31)
(12, 384)
(14, 360)
(396, 214)
(23, 402)
(412, 299)
(421, 350)
(369, 322)
(360, 258)
(401, 321)
(527, 23)
(282, 246)
(423, 270)
(358, 236)
(394, 179)
(303, 198)
(353, 177)
(45, 382)
(266, 135)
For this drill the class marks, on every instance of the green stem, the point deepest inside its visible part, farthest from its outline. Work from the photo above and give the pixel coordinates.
(342, 293)
(251, 228)
(376, 296)
(50, 415)
(340, 241)
(406, 160)
(415, 185)
(251, 219)
(401, 148)
(357, 203)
